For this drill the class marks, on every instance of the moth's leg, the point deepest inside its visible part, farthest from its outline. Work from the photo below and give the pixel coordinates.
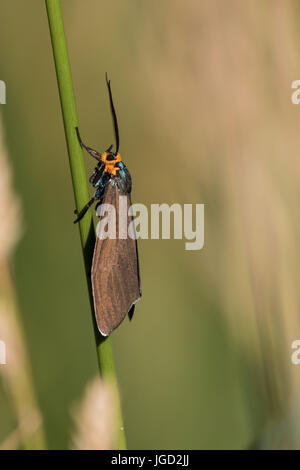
(92, 178)
(97, 174)
(91, 151)
(98, 195)
(85, 209)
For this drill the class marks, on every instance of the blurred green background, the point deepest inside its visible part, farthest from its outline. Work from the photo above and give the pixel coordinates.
(203, 97)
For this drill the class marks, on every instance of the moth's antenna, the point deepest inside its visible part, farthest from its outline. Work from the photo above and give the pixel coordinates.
(114, 116)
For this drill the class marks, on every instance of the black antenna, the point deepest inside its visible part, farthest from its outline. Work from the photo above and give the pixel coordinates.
(114, 116)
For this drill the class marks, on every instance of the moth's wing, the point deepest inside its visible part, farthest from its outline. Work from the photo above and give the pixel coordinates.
(115, 273)
(135, 247)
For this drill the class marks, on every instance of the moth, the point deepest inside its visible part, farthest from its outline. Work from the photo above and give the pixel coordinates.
(115, 271)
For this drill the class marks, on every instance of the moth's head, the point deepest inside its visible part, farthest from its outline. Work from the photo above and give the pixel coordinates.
(110, 159)
(110, 156)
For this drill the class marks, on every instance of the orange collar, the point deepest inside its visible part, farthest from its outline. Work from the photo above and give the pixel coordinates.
(110, 165)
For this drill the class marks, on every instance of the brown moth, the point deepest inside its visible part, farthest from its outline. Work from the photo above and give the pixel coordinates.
(115, 268)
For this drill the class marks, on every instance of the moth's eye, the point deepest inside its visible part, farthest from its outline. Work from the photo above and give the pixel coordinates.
(110, 157)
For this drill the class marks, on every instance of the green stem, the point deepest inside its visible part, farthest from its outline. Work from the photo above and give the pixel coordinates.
(86, 226)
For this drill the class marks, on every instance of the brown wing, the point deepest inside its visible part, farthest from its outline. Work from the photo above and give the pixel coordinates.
(115, 273)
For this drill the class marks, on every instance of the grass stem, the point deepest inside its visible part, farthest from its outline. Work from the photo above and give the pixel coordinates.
(86, 227)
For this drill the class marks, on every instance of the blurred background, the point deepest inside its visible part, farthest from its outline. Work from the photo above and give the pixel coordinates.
(203, 96)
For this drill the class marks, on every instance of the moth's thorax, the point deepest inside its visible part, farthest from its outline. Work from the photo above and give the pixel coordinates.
(111, 164)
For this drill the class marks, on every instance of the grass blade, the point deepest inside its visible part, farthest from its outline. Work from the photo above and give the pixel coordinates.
(86, 227)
